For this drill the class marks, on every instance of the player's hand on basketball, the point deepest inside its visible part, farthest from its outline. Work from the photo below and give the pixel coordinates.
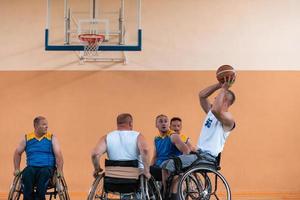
(228, 81)
(97, 172)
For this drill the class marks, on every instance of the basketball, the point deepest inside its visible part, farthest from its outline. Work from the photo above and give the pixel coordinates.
(225, 71)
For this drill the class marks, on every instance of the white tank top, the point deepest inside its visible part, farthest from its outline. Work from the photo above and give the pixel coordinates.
(122, 145)
(213, 136)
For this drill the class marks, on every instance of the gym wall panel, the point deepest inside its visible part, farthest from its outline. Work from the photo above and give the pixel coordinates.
(255, 36)
(259, 157)
(177, 35)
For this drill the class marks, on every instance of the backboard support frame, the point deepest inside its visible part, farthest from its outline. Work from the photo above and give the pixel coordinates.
(68, 47)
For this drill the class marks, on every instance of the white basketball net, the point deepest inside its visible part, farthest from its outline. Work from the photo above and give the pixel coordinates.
(91, 48)
(91, 44)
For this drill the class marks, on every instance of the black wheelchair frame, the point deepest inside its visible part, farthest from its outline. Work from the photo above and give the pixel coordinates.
(106, 188)
(200, 181)
(57, 187)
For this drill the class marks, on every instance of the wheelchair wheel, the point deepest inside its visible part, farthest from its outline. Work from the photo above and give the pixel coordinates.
(62, 189)
(203, 183)
(97, 189)
(15, 189)
(150, 189)
(191, 187)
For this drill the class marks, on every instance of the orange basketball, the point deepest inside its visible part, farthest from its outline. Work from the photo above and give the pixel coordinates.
(225, 71)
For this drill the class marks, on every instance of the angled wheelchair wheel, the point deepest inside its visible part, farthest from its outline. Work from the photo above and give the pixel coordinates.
(191, 187)
(203, 183)
(15, 189)
(97, 189)
(150, 189)
(62, 188)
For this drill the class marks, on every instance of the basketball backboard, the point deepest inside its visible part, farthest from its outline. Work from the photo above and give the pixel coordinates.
(118, 20)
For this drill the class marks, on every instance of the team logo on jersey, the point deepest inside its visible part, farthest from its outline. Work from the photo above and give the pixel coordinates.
(208, 123)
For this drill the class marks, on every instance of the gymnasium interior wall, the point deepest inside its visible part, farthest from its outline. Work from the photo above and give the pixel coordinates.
(183, 44)
(259, 157)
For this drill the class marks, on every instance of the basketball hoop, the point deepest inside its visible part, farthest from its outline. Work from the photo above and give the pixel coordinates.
(91, 43)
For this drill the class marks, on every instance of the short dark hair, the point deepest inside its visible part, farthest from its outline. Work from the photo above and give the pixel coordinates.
(161, 115)
(124, 118)
(175, 119)
(37, 120)
(231, 96)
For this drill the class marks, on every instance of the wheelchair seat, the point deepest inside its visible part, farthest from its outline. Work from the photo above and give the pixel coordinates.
(207, 163)
(121, 176)
(178, 165)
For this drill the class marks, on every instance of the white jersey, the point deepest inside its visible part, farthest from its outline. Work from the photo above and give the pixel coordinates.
(213, 136)
(122, 145)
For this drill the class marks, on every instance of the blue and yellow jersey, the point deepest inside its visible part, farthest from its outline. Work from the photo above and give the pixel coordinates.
(183, 137)
(165, 149)
(39, 151)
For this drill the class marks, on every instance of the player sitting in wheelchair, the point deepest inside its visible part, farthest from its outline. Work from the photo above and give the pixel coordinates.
(167, 144)
(126, 175)
(44, 160)
(215, 130)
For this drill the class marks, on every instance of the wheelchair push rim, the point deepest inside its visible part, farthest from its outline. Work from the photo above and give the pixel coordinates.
(206, 182)
(99, 181)
(15, 189)
(148, 190)
(62, 188)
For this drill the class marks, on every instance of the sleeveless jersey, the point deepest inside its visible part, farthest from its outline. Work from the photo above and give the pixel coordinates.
(39, 151)
(122, 145)
(213, 136)
(165, 149)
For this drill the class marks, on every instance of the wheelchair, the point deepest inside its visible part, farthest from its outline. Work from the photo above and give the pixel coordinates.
(202, 181)
(123, 180)
(57, 187)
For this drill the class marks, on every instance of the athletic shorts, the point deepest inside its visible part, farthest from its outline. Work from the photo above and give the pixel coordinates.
(188, 160)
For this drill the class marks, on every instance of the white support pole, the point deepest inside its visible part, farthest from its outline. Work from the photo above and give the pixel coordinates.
(67, 22)
(121, 23)
(139, 14)
(48, 14)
